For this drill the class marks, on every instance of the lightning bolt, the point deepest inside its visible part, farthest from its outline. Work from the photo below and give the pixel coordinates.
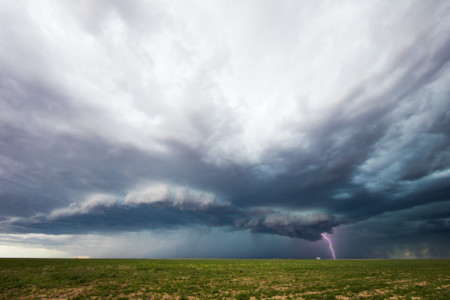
(331, 244)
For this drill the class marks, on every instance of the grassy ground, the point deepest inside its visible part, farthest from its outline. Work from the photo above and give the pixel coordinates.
(224, 279)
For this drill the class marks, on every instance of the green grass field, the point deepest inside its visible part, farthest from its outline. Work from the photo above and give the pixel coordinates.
(224, 279)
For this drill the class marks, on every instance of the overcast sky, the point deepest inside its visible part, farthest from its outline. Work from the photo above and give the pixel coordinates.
(225, 128)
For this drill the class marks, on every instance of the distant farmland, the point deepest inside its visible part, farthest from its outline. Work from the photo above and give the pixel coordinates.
(224, 279)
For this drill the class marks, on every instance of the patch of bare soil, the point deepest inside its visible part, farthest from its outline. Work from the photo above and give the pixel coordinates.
(443, 287)
(340, 297)
(60, 294)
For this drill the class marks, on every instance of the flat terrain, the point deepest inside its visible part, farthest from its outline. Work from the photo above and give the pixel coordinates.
(224, 279)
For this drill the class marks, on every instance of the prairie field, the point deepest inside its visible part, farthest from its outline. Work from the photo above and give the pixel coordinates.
(223, 279)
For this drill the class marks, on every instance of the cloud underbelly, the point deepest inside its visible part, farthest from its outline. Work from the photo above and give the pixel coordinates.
(160, 206)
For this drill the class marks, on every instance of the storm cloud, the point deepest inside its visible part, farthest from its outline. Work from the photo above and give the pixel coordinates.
(279, 119)
(161, 206)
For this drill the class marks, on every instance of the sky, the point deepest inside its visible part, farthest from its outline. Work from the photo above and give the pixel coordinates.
(224, 129)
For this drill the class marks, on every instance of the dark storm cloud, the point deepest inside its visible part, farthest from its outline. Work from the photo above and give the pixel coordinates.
(426, 219)
(306, 227)
(162, 207)
(291, 120)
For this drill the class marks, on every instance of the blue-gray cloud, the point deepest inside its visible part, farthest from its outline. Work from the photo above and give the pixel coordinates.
(161, 206)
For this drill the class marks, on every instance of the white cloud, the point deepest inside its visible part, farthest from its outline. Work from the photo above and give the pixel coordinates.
(85, 206)
(157, 192)
(228, 80)
(171, 194)
(154, 193)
